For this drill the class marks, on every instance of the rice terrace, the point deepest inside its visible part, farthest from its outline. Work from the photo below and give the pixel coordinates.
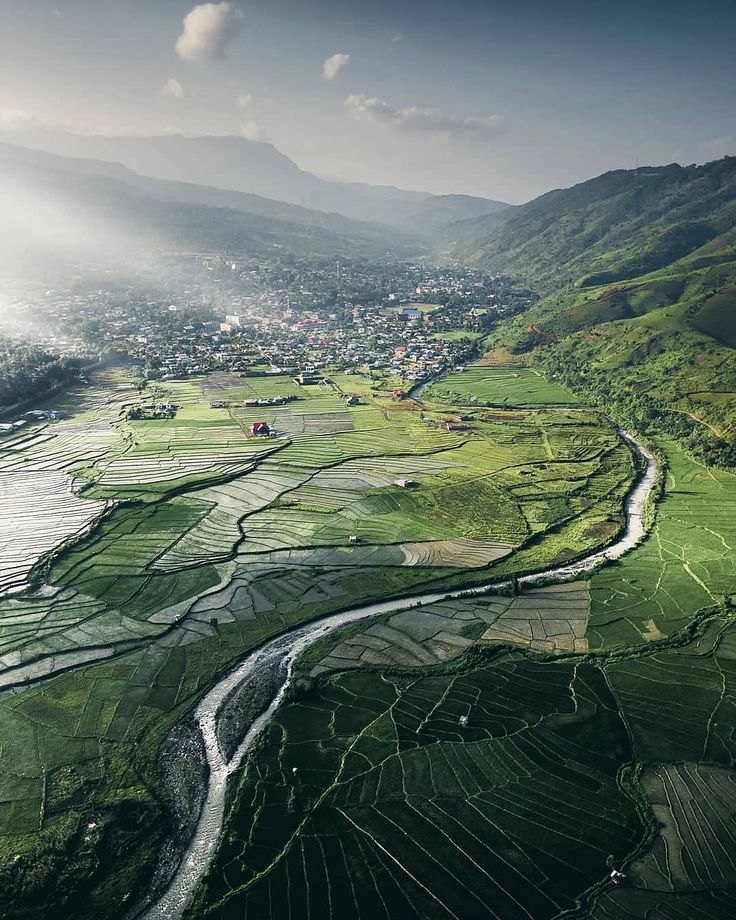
(452, 727)
(367, 460)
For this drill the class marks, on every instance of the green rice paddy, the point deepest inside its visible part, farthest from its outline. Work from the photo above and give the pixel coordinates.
(500, 386)
(367, 797)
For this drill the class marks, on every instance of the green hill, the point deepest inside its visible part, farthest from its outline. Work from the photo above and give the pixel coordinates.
(612, 228)
(639, 273)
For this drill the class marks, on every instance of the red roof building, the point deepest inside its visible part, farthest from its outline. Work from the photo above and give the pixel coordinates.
(260, 428)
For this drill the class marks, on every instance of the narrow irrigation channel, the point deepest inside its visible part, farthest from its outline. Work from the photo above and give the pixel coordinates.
(276, 660)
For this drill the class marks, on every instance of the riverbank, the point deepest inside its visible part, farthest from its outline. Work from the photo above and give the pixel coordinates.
(277, 657)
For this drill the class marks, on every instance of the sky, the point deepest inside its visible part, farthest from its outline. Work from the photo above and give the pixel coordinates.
(501, 98)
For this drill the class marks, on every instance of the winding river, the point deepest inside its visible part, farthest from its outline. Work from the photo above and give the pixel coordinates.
(277, 658)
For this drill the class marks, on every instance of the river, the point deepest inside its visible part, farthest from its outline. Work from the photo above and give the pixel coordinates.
(278, 656)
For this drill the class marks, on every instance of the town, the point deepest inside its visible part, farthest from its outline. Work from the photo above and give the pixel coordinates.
(408, 323)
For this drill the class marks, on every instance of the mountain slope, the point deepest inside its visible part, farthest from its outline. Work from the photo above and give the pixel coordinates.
(615, 227)
(639, 269)
(169, 190)
(57, 206)
(255, 167)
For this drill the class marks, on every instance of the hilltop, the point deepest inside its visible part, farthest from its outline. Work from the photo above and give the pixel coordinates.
(639, 272)
(252, 167)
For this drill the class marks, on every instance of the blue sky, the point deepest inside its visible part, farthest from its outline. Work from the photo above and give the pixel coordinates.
(505, 99)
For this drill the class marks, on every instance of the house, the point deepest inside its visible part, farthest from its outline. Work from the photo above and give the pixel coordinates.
(399, 394)
(164, 410)
(260, 428)
(352, 401)
(50, 415)
(617, 877)
(405, 483)
(353, 540)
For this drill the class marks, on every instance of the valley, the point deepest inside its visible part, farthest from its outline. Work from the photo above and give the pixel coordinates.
(213, 543)
(366, 552)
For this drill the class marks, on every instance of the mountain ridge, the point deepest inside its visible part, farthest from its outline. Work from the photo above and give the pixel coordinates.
(70, 207)
(638, 275)
(253, 167)
(569, 235)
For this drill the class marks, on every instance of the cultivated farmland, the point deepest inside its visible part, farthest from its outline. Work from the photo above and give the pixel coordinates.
(688, 563)
(403, 790)
(496, 385)
(208, 541)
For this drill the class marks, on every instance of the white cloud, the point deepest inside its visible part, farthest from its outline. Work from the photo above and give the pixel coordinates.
(250, 131)
(377, 112)
(244, 100)
(207, 29)
(172, 89)
(334, 64)
(397, 38)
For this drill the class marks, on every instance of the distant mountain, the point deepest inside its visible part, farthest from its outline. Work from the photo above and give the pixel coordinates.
(639, 269)
(91, 210)
(438, 216)
(254, 167)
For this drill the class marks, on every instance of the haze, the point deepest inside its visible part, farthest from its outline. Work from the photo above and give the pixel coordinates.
(466, 97)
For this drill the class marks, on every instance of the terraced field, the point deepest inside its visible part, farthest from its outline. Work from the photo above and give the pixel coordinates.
(449, 795)
(687, 565)
(505, 787)
(385, 789)
(40, 507)
(496, 385)
(211, 541)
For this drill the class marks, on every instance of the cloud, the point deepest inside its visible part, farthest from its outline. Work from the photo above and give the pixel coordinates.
(415, 118)
(208, 27)
(334, 64)
(172, 89)
(250, 131)
(244, 100)
(397, 38)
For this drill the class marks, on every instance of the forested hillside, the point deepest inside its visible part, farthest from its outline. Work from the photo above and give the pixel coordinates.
(612, 228)
(639, 273)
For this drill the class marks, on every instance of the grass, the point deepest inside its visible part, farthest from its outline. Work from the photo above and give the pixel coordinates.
(499, 386)
(219, 542)
(717, 317)
(685, 565)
